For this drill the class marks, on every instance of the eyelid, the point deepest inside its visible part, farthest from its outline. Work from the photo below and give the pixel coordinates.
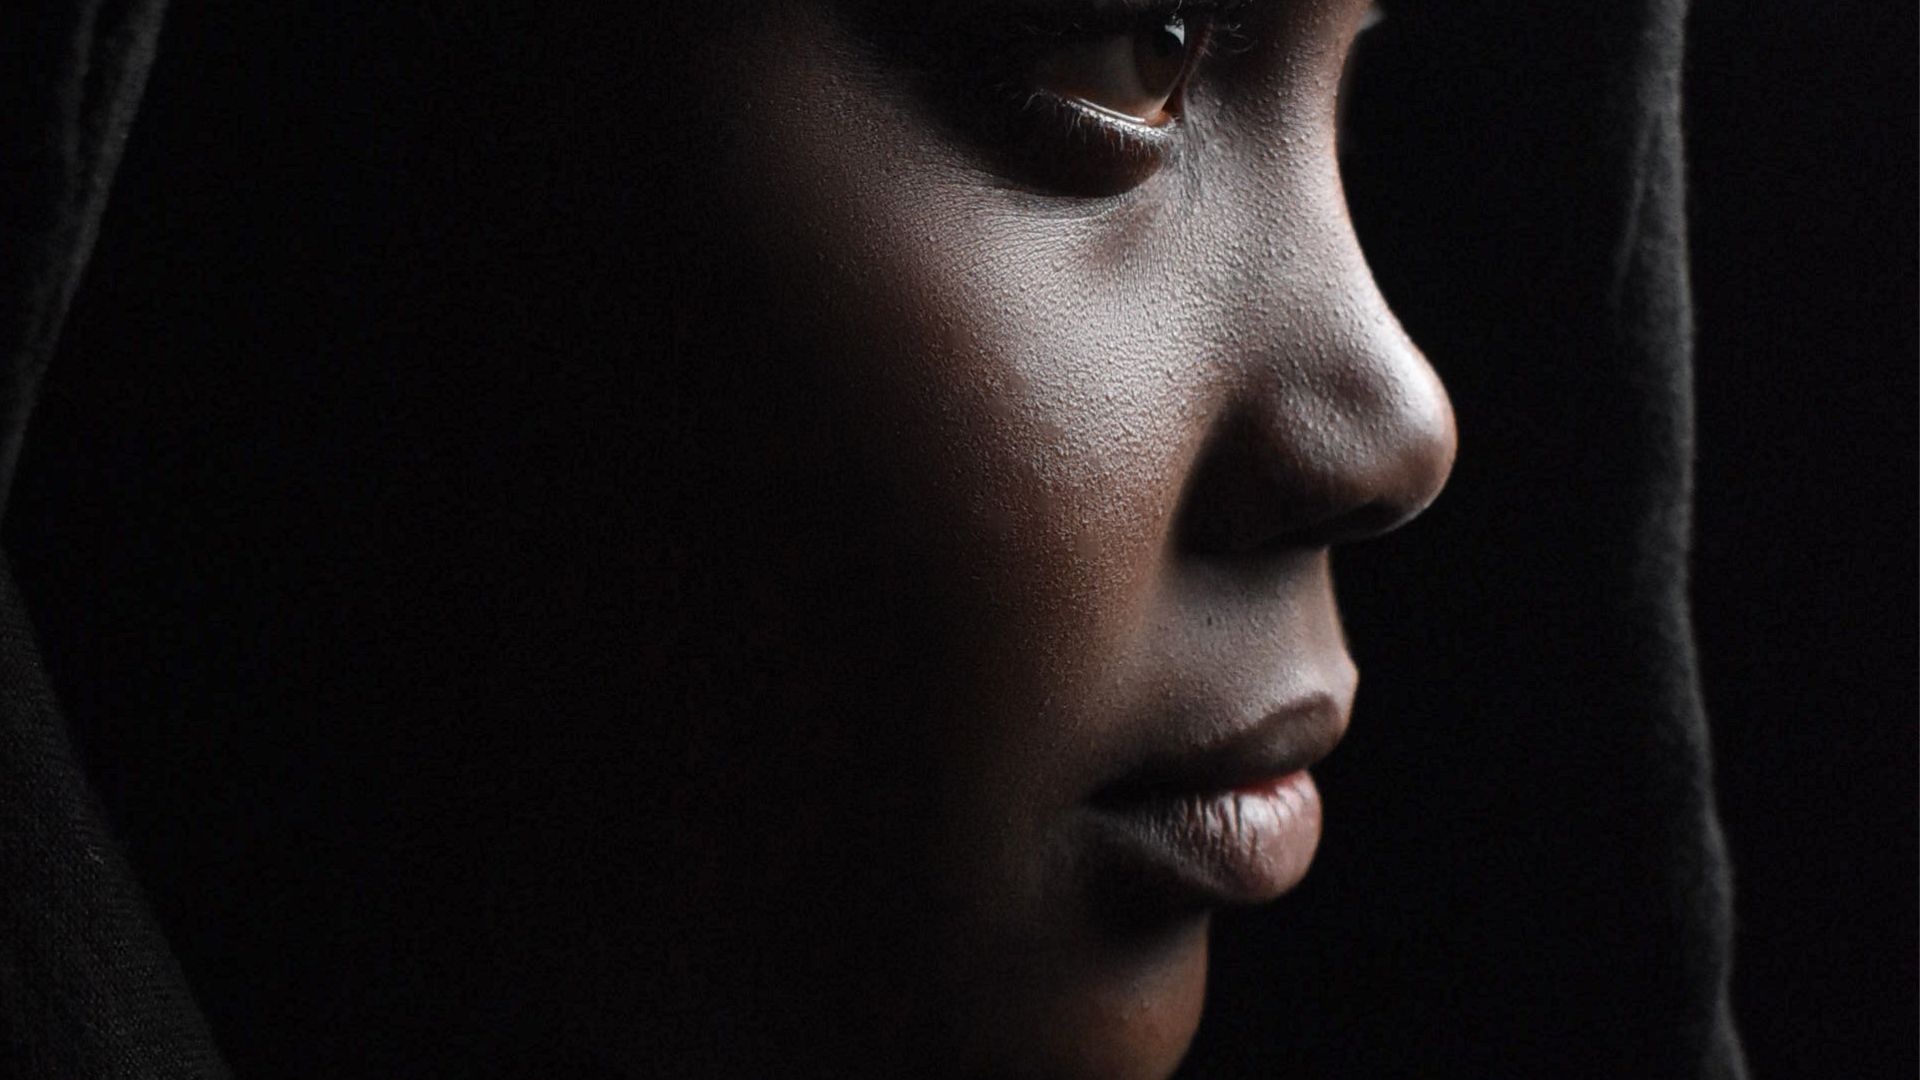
(1153, 137)
(1092, 150)
(1111, 71)
(1106, 151)
(975, 65)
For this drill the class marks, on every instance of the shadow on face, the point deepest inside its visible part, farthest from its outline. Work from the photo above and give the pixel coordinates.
(828, 567)
(1022, 444)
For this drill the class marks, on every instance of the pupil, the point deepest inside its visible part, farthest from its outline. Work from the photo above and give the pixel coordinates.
(1160, 57)
(1170, 39)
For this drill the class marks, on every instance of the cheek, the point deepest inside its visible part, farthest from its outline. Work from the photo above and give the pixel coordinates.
(982, 409)
(1011, 385)
(1023, 383)
(1040, 430)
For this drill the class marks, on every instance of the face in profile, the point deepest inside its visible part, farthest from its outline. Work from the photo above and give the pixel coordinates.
(1021, 373)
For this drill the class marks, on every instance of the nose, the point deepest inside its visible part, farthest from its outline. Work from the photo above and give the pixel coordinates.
(1336, 430)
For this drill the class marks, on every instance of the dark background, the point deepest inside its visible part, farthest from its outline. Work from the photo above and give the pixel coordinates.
(1801, 120)
(1801, 128)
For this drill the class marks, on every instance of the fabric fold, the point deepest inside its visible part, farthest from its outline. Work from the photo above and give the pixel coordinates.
(88, 986)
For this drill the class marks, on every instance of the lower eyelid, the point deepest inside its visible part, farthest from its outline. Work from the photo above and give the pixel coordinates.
(1047, 143)
(1132, 126)
(1037, 138)
(1117, 131)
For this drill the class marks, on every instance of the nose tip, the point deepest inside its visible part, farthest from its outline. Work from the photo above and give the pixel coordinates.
(1322, 454)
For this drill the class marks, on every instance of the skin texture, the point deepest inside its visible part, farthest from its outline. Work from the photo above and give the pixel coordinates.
(776, 508)
(1003, 488)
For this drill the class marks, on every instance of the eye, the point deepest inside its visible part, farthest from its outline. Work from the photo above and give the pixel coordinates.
(1080, 98)
(1134, 74)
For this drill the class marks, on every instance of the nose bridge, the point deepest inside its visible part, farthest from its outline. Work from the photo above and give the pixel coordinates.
(1337, 428)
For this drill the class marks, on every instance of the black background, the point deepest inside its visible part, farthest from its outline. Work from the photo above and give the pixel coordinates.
(1801, 124)
(1801, 128)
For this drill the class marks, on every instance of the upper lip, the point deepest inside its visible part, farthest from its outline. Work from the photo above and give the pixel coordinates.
(1284, 740)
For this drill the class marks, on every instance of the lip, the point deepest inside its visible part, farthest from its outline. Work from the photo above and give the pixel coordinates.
(1231, 823)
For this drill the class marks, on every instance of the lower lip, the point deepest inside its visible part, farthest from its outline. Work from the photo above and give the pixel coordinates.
(1244, 845)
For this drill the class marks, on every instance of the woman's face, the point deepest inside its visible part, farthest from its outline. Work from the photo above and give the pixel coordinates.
(1025, 369)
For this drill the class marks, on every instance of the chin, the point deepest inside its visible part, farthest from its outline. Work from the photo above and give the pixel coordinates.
(1130, 1014)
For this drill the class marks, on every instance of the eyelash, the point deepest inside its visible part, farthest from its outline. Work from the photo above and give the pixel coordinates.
(1041, 136)
(1103, 147)
(1083, 136)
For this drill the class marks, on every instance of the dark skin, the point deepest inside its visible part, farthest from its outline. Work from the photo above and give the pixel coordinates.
(951, 465)
(1061, 452)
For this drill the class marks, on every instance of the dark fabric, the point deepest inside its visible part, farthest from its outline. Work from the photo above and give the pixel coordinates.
(74, 73)
(88, 988)
(1523, 874)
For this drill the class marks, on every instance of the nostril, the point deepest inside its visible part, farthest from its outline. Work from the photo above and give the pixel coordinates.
(1252, 531)
(1265, 484)
(1369, 520)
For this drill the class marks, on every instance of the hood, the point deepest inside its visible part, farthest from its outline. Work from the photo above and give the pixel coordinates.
(1539, 886)
(88, 987)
